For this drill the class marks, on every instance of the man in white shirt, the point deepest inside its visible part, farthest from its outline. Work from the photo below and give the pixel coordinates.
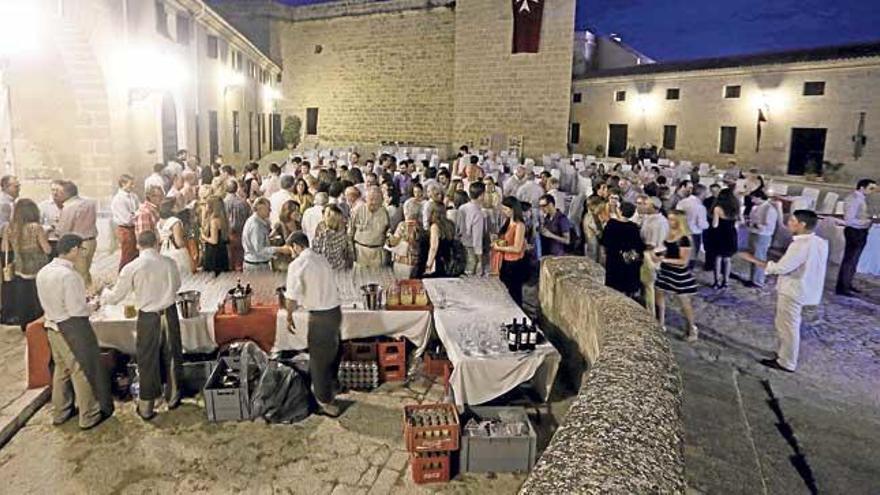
(762, 226)
(311, 286)
(857, 222)
(801, 273)
(9, 190)
(313, 215)
(80, 216)
(283, 195)
(124, 207)
(272, 183)
(50, 213)
(156, 179)
(471, 229)
(513, 183)
(530, 191)
(79, 380)
(697, 220)
(153, 280)
(654, 227)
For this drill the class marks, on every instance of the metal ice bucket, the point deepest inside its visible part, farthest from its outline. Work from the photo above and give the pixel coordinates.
(188, 303)
(241, 304)
(372, 294)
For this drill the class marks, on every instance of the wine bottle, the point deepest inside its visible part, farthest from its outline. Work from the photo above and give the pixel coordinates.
(533, 337)
(511, 336)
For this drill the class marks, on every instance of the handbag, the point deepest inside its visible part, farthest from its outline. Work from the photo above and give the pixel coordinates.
(8, 268)
(631, 257)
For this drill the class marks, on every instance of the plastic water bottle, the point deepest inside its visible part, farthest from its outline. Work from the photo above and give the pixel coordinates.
(135, 388)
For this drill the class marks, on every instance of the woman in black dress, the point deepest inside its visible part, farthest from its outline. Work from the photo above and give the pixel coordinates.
(723, 235)
(215, 232)
(441, 233)
(674, 276)
(624, 251)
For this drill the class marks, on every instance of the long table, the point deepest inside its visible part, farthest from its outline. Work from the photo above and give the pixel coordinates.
(265, 324)
(468, 315)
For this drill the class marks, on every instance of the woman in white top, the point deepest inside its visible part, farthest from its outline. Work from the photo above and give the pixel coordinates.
(173, 238)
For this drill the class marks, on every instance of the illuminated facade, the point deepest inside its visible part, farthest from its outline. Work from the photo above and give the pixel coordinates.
(813, 105)
(107, 87)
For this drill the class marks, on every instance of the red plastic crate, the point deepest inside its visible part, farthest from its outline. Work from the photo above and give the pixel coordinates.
(430, 467)
(435, 366)
(433, 438)
(392, 373)
(392, 353)
(359, 351)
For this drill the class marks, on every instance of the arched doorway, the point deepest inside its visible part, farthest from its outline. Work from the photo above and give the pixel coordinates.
(169, 128)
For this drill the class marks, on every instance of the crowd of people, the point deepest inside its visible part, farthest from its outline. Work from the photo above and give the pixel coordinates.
(475, 216)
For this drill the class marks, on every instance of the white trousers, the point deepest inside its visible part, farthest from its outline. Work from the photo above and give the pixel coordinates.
(788, 329)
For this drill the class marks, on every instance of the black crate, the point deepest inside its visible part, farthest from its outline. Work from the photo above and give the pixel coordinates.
(222, 403)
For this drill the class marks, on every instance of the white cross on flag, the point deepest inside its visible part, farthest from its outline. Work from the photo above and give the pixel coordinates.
(527, 16)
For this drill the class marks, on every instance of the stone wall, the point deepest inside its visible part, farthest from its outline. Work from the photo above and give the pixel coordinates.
(523, 95)
(386, 76)
(623, 433)
(702, 110)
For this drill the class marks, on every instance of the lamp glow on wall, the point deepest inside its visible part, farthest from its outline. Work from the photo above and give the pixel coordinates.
(769, 100)
(645, 104)
(270, 94)
(146, 70)
(230, 79)
(22, 27)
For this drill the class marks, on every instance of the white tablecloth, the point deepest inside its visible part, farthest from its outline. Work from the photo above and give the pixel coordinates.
(831, 229)
(115, 331)
(415, 326)
(468, 314)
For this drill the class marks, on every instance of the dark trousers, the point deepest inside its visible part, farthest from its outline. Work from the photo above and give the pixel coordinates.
(855, 244)
(324, 351)
(697, 241)
(159, 353)
(513, 275)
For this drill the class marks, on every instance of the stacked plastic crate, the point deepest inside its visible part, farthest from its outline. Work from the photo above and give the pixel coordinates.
(432, 432)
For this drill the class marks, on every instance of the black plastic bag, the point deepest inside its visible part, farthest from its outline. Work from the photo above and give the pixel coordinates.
(282, 395)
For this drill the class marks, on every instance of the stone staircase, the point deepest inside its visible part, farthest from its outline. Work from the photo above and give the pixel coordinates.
(91, 134)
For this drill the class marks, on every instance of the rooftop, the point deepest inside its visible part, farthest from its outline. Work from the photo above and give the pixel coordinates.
(836, 52)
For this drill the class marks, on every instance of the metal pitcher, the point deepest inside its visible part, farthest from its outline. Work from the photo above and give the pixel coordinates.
(373, 296)
(188, 303)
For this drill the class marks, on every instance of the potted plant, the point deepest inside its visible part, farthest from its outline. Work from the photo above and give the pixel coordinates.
(291, 132)
(831, 171)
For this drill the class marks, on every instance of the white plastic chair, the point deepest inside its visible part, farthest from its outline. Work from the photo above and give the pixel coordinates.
(590, 158)
(812, 194)
(839, 209)
(828, 203)
(802, 203)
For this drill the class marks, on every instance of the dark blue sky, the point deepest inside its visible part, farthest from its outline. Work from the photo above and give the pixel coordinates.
(686, 29)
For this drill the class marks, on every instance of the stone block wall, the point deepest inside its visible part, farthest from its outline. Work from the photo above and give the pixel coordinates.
(497, 92)
(623, 433)
(702, 110)
(385, 76)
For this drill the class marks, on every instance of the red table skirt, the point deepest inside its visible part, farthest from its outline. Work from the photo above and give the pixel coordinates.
(38, 355)
(258, 326)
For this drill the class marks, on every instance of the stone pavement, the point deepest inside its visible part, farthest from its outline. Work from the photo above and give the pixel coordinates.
(752, 430)
(181, 452)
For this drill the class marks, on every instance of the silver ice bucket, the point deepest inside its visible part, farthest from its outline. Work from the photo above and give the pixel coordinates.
(188, 303)
(373, 296)
(241, 304)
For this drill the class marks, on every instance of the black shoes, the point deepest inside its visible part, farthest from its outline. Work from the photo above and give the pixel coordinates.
(772, 363)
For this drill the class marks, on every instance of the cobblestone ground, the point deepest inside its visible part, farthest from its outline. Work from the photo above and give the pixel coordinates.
(181, 452)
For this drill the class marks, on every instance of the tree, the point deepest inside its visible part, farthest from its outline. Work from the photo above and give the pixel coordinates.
(291, 132)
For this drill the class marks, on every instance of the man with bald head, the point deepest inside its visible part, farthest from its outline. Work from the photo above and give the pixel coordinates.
(368, 226)
(515, 181)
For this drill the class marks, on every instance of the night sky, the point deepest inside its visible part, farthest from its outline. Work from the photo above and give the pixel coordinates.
(687, 29)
